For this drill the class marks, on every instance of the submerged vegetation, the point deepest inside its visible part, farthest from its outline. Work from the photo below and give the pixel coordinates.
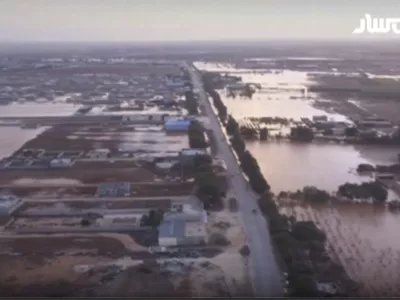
(300, 244)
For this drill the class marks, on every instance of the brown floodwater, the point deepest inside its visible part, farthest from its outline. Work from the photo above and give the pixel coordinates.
(362, 237)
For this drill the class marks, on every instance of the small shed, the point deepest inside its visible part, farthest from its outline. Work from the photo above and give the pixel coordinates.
(175, 125)
(61, 163)
(101, 153)
(8, 203)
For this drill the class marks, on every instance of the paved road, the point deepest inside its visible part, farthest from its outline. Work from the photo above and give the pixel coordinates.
(265, 273)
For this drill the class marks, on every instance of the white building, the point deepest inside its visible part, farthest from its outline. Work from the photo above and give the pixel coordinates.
(103, 153)
(61, 163)
(132, 219)
(194, 152)
(184, 225)
(181, 232)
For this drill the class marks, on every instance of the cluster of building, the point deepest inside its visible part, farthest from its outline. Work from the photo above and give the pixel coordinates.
(369, 127)
(128, 93)
(89, 82)
(40, 159)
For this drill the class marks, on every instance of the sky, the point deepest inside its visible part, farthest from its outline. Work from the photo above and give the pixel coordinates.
(184, 20)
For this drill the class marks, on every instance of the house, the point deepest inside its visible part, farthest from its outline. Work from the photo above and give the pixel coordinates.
(181, 232)
(185, 224)
(193, 152)
(174, 82)
(114, 189)
(61, 163)
(132, 219)
(167, 164)
(8, 203)
(177, 125)
(101, 153)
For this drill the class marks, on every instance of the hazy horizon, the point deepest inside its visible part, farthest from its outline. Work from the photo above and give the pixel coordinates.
(179, 20)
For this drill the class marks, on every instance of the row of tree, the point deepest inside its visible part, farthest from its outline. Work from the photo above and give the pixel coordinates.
(191, 102)
(365, 190)
(209, 189)
(197, 136)
(299, 243)
(248, 163)
(219, 105)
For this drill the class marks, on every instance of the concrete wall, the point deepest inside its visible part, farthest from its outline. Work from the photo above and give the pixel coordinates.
(167, 241)
(192, 240)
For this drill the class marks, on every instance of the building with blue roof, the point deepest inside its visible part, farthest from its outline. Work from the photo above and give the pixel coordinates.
(177, 125)
(185, 225)
(181, 232)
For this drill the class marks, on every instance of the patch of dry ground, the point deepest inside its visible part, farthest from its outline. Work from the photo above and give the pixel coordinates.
(79, 266)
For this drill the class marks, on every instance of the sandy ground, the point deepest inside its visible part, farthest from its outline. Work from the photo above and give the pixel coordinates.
(75, 266)
(62, 188)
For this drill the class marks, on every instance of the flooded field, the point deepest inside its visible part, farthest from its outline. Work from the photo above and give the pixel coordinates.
(127, 143)
(141, 139)
(290, 166)
(14, 137)
(362, 237)
(34, 109)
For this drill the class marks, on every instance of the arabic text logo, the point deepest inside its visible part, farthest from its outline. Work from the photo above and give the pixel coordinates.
(378, 25)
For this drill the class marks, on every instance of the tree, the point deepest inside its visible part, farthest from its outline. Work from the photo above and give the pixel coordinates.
(302, 134)
(196, 135)
(202, 163)
(232, 126)
(365, 168)
(208, 189)
(238, 144)
(144, 221)
(191, 103)
(263, 134)
(351, 131)
(153, 218)
(307, 231)
(363, 191)
(312, 194)
(85, 222)
(303, 285)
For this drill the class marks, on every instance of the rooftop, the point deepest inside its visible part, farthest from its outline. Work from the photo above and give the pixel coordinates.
(172, 228)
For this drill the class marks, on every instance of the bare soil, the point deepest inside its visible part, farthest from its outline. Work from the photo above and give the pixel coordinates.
(55, 244)
(85, 175)
(115, 204)
(89, 190)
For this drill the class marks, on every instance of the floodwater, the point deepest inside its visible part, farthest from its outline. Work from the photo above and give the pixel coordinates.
(34, 109)
(362, 237)
(101, 110)
(291, 166)
(12, 138)
(141, 139)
